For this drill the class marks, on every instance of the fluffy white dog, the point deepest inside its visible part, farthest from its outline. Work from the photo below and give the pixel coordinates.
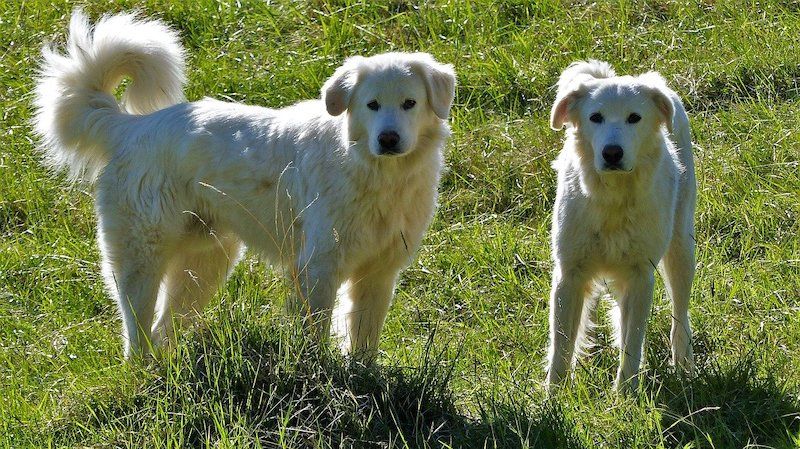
(338, 191)
(625, 201)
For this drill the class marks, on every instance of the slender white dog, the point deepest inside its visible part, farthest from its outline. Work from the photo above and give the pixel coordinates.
(625, 201)
(338, 191)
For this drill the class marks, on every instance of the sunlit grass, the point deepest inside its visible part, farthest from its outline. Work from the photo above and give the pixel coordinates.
(463, 349)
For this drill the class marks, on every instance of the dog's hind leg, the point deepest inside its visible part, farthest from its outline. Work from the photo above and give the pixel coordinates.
(678, 267)
(634, 308)
(192, 277)
(133, 268)
(566, 306)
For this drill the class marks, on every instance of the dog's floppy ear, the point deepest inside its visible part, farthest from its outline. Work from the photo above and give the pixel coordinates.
(560, 114)
(337, 90)
(664, 104)
(656, 88)
(440, 82)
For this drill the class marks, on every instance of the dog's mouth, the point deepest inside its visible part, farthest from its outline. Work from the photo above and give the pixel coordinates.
(379, 152)
(615, 168)
(390, 151)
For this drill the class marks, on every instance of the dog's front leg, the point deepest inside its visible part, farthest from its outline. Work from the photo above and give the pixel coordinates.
(316, 284)
(365, 304)
(635, 303)
(566, 304)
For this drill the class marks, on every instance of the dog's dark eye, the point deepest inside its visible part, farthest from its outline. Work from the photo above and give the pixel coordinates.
(633, 118)
(408, 104)
(374, 105)
(596, 117)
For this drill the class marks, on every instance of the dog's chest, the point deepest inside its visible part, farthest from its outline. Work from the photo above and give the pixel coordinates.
(629, 233)
(612, 223)
(389, 222)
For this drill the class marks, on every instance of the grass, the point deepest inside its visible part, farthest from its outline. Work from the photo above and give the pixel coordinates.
(463, 349)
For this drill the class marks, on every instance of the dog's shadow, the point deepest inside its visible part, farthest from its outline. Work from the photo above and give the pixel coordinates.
(742, 402)
(280, 388)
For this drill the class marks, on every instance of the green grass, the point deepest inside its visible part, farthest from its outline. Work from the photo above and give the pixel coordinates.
(463, 350)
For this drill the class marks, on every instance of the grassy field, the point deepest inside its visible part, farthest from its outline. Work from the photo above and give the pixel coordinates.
(463, 351)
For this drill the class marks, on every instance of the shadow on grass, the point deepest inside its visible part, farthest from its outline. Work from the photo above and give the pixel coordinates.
(741, 403)
(270, 386)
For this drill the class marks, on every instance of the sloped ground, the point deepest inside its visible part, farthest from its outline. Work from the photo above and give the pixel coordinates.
(465, 341)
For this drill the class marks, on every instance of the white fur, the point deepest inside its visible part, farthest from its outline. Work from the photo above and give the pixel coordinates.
(614, 222)
(180, 187)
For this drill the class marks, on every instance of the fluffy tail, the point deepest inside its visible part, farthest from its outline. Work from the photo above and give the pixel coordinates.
(76, 110)
(582, 71)
(584, 339)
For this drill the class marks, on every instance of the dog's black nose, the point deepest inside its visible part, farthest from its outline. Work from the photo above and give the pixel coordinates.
(612, 154)
(388, 141)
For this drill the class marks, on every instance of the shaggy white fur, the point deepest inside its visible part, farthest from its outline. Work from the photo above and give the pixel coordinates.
(625, 202)
(338, 191)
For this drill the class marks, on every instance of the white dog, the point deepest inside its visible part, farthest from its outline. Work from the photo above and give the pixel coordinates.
(338, 191)
(625, 201)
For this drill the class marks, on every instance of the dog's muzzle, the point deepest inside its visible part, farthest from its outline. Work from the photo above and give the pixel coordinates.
(387, 143)
(612, 155)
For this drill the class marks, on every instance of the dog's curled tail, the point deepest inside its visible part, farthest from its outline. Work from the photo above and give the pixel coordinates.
(580, 71)
(76, 110)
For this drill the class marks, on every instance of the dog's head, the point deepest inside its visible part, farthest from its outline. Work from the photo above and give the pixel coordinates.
(390, 99)
(617, 118)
